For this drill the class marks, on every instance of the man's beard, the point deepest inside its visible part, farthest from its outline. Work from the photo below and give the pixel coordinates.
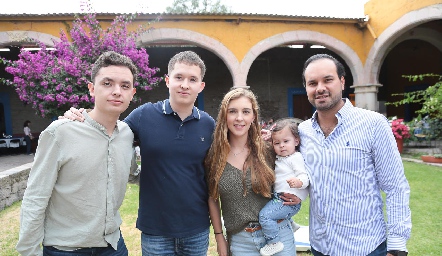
(328, 105)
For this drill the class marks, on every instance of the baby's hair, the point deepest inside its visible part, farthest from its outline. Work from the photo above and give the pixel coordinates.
(289, 122)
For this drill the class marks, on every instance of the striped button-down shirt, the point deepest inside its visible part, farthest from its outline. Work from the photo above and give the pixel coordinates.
(348, 169)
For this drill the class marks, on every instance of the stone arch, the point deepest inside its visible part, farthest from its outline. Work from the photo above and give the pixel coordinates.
(339, 47)
(164, 34)
(384, 42)
(20, 36)
(425, 34)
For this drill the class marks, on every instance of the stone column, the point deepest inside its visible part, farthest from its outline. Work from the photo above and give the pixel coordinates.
(366, 96)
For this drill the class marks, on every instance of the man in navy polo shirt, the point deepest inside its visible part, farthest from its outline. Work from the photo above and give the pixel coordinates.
(174, 137)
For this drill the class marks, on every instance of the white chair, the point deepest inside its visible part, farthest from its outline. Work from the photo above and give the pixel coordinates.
(3, 144)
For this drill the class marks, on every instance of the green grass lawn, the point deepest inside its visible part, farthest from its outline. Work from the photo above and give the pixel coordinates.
(426, 193)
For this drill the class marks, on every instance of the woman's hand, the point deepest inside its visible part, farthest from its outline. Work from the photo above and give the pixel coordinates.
(73, 114)
(221, 245)
(215, 218)
(289, 199)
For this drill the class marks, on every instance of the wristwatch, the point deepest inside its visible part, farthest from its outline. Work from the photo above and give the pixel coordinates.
(398, 253)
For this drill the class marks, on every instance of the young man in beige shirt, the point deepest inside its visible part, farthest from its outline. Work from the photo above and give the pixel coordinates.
(80, 172)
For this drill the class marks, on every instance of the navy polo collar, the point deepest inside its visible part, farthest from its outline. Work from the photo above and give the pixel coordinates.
(167, 109)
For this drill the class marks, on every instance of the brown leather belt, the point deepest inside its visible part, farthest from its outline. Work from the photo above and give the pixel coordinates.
(257, 227)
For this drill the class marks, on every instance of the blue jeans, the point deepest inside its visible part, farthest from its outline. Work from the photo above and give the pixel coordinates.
(93, 251)
(196, 245)
(273, 211)
(28, 144)
(380, 251)
(248, 243)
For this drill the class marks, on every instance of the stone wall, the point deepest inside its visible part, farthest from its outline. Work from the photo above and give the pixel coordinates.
(427, 147)
(13, 184)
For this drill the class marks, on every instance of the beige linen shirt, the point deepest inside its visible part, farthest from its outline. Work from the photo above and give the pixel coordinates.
(76, 186)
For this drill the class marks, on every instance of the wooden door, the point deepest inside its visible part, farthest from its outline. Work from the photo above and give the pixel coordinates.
(301, 107)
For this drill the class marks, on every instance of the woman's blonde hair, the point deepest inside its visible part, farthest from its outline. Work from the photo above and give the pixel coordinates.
(259, 160)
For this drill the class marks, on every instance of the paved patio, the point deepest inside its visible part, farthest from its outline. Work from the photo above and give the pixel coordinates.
(11, 161)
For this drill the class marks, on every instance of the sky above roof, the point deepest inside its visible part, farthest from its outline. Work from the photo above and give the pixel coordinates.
(328, 8)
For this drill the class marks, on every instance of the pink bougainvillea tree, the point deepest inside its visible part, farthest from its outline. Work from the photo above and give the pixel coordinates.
(54, 80)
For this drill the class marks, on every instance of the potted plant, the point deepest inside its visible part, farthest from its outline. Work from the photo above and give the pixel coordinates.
(431, 100)
(435, 158)
(400, 130)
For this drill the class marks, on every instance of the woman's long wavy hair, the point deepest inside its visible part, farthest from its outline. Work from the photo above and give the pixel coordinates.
(259, 159)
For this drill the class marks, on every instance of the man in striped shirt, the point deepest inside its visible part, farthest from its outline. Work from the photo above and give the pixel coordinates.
(351, 155)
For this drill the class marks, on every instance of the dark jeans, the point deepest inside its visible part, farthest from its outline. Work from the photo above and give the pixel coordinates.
(380, 251)
(93, 251)
(28, 144)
